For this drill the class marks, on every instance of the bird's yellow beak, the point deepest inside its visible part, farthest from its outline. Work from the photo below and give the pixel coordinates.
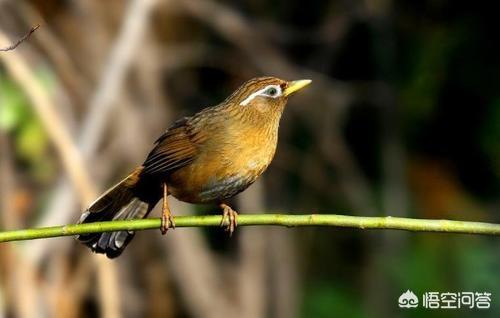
(296, 85)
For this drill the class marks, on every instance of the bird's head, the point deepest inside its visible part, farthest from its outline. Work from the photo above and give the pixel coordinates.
(265, 94)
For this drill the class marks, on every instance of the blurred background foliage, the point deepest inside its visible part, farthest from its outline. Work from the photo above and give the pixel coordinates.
(402, 119)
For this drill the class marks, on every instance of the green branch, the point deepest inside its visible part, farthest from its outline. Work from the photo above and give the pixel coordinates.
(415, 225)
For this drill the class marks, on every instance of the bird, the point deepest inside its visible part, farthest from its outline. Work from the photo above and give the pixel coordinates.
(208, 157)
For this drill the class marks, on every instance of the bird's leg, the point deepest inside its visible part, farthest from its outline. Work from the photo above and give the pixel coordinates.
(231, 215)
(167, 220)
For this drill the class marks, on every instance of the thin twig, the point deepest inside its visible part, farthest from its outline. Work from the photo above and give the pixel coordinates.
(24, 38)
(289, 220)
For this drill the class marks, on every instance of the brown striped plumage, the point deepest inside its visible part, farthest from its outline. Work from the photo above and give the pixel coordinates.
(208, 157)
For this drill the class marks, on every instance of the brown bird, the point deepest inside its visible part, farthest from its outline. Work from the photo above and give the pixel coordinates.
(208, 157)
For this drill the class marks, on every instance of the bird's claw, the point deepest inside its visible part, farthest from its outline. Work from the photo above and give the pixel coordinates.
(167, 221)
(232, 217)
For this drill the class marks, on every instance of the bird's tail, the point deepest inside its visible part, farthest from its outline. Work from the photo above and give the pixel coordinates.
(126, 200)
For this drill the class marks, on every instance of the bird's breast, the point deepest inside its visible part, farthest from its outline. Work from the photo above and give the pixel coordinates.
(223, 170)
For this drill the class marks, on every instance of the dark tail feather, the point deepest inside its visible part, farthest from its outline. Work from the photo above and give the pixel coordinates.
(118, 203)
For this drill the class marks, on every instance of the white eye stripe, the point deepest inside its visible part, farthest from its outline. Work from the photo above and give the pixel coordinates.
(263, 92)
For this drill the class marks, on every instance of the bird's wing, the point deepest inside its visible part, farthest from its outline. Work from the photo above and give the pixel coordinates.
(177, 147)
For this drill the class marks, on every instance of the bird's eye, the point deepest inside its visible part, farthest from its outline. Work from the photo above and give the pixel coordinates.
(272, 91)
